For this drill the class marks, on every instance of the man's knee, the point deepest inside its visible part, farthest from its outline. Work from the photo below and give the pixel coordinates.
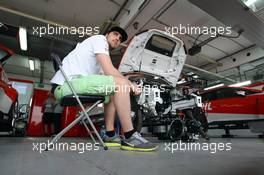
(121, 84)
(121, 81)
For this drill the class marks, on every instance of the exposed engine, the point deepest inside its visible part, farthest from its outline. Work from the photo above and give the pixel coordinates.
(166, 107)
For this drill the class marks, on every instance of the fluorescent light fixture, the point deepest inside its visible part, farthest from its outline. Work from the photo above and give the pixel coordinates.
(31, 64)
(100, 105)
(190, 73)
(249, 2)
(244, 83)
(254, 5)
(195, 76)
(182, 81)
(30, 103)
(215, 86)
(23, 38)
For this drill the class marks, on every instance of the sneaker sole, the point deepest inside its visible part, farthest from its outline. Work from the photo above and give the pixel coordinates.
(113, 144)
(129, 148)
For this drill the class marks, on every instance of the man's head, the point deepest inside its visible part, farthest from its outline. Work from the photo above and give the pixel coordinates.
(115, 36)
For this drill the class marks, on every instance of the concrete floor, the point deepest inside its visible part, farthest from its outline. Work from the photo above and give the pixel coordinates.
(245, 157)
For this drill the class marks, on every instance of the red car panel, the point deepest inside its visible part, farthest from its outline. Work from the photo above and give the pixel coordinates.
(8, 95)
(226, 104)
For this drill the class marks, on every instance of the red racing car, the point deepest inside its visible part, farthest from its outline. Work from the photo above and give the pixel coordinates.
(8, 95)
(234, 108)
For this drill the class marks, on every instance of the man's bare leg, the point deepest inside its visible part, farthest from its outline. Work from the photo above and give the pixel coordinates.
(122, 103)
(109, 110)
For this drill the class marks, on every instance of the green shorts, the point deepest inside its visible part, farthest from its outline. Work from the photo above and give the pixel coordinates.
(88, 85)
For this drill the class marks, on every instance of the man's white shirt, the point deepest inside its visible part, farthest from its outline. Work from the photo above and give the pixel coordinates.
(82, 60)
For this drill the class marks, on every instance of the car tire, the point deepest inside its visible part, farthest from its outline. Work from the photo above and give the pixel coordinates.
(176, 130)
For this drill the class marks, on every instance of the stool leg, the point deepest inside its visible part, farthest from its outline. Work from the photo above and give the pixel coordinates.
(60, 134)
(91, 123)
(88, 130)
(73, 123)
(86, 127)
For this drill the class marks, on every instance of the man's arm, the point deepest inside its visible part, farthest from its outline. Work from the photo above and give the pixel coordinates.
(109, 69)
(107, 65)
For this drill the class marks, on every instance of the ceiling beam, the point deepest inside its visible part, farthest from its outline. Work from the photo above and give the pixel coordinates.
(208, 72)
(235, 15)
(16, 12)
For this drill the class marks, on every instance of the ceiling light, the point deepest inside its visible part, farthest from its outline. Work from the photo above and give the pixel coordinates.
(190, 73)
(182, 81)
(240, 84)
(31, 64)
(30, 103)
(254, 5)
(195, 76)
(215, 86)
(23, 38)
(249, 2)
(100, 105)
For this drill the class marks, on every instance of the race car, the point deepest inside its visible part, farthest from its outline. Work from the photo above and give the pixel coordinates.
(8, 95)
(234, 108)
(154, 60)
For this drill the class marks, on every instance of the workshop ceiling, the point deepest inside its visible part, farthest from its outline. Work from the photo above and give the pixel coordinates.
(150, 14)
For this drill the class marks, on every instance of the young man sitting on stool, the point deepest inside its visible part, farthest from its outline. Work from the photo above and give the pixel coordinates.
(83, 65)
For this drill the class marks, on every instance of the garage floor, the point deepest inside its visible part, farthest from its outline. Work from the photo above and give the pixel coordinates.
(18, 158)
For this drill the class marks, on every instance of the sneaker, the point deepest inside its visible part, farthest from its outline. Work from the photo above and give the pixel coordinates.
(137, 143)
(112, 141)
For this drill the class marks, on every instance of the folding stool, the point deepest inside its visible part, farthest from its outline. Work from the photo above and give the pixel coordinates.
(77, 99)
